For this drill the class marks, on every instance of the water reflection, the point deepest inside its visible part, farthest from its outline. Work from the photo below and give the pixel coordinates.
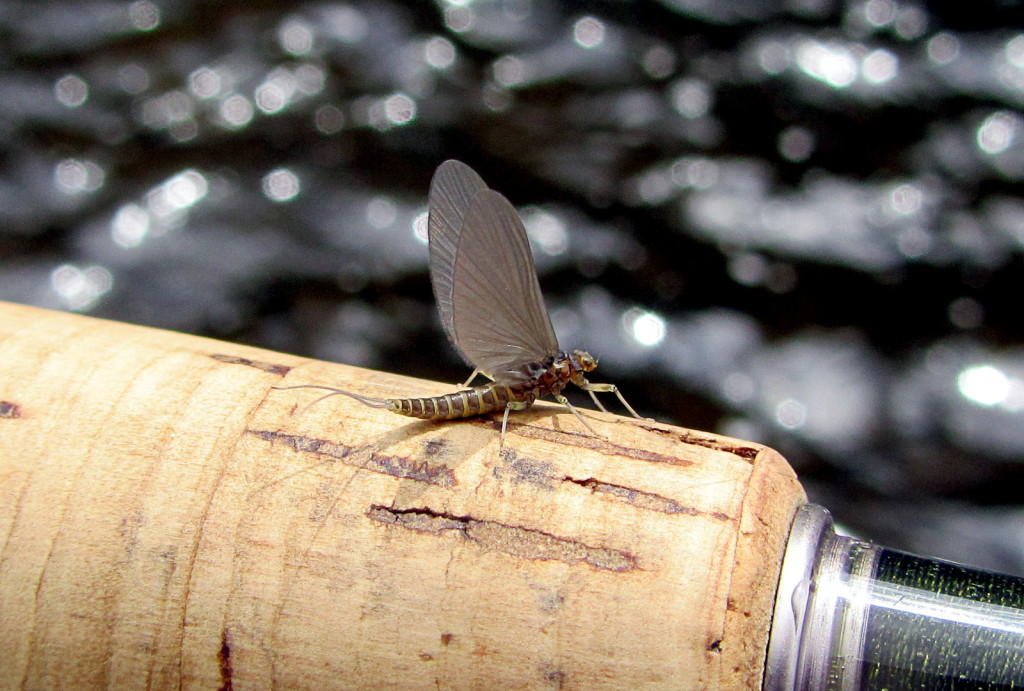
(71, 91)
(73, 176)
(281, 185)
(79, 289)
(798, 223)
(144, 15)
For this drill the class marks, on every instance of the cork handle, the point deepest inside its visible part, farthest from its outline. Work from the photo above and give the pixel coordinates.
(171, 520)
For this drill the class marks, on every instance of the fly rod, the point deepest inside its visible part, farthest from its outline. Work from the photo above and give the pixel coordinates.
(171, 520)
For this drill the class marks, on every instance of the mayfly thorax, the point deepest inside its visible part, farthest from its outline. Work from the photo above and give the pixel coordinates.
(491, 308)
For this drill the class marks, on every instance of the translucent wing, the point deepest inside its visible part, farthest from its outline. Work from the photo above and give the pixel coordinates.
(451, 190)
(500, 322)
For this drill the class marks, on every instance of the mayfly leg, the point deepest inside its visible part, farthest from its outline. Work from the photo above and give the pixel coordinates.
(565, 401)
(473, 376)
(606, 388)
(509, 407)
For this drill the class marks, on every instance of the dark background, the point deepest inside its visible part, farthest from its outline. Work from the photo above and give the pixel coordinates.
(815, 204)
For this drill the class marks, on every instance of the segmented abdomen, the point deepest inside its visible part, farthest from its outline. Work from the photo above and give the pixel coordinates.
(465, 403)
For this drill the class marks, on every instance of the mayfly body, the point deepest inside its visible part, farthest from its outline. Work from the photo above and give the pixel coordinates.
(491, 308)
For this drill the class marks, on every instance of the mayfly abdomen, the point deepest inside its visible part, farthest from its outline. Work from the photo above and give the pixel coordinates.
(466, 403)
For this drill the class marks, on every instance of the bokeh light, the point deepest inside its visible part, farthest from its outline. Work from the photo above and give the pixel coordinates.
(71, 91)
(281, 185)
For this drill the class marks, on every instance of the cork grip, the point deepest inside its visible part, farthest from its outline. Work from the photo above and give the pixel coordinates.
(168, 519)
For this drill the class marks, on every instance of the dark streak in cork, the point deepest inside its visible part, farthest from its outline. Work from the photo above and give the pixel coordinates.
(638, 498)
(9, 410)
(433, 447)
(747, 453)
(553, 677)
(521, 469)
(224, 661)
(363, 457)
(519, 542)
(280, 370)
(588, 441)
(644, 500)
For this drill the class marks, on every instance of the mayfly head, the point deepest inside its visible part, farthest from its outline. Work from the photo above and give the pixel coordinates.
(583, 361)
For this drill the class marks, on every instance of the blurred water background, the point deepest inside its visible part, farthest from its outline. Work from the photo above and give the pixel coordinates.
(794, 222)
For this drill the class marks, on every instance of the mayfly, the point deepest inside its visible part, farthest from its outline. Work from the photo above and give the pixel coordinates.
(491, 308)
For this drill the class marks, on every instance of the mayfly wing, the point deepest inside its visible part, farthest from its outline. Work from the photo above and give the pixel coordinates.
(451, 190)
(500, 321)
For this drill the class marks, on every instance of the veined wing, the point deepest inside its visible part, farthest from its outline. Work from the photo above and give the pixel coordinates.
(451, 190)
(500, 321)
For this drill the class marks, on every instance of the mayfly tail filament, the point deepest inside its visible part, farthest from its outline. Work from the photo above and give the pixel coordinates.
(365, 400)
